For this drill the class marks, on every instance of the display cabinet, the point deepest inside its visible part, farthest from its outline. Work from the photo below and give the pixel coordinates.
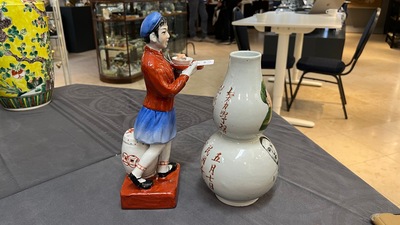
(393, 21)
(117, 27)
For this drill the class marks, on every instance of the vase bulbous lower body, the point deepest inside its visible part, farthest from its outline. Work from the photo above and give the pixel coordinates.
(238, 163)
(239, 171)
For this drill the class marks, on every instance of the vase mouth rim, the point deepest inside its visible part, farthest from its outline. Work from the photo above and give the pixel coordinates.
(245, 54)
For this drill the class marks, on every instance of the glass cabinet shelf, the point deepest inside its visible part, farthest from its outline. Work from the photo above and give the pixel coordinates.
(119, 47)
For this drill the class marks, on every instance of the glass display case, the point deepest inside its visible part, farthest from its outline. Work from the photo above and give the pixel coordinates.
(117, 28)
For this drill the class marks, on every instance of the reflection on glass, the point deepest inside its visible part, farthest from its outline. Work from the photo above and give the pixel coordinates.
(283, 7)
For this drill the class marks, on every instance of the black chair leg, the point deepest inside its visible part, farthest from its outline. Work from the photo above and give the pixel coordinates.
(291, 91)
(342, 95)
(340, 83)
(344, 111)
(286, 98)
(343, 105)
(290, 83)
(295, 91)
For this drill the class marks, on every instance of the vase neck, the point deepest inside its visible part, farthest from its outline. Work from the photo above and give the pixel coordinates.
(245, 67)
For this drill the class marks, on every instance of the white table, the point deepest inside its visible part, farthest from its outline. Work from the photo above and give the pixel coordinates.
(284, 24)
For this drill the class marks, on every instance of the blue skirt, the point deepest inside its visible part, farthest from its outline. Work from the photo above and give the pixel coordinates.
(155, 127)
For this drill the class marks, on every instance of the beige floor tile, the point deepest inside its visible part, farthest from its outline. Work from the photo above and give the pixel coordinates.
(382, 174)
(347, 150)
(380, 138)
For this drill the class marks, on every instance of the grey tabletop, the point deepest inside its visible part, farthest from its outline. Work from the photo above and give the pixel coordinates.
(60, 164)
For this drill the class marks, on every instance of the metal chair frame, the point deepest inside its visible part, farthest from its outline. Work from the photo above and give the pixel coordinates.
(347, 69)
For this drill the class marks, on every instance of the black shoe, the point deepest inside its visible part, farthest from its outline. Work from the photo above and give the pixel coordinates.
(173, 168)
(143, 185)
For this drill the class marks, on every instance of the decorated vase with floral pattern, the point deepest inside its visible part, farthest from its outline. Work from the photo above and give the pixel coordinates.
(26, 65)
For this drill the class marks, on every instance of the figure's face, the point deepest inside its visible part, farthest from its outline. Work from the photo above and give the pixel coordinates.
(163, 37)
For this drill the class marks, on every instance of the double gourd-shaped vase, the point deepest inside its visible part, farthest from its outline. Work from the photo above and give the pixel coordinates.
(238, 163)
(26, 66)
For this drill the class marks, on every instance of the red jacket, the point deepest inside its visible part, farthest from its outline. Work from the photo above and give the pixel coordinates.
(161, 84)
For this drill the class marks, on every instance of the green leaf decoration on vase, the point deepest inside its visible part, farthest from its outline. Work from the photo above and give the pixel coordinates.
(266, 99)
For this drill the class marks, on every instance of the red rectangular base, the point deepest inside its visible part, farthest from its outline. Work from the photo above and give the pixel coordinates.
(162, 195)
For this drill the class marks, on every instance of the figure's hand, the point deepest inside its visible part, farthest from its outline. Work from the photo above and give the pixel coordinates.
(190, 70)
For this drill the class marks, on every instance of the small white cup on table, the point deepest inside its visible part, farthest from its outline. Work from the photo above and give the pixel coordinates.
(261, 17)
(331, 12)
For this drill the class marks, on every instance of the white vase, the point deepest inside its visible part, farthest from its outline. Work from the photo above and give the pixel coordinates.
(238, 163)
(132, 151)
(242, 107)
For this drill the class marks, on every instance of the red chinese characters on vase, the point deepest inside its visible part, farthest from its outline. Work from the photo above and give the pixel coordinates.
(209, 172)
(224, 112)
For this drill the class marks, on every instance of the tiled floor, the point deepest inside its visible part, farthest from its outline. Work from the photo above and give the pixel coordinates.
(368, 143)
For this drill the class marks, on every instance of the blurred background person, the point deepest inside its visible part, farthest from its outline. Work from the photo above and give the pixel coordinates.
(223, 25)
(198, 8)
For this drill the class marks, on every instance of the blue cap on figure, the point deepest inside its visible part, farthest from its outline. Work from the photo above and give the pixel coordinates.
(149, 23)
